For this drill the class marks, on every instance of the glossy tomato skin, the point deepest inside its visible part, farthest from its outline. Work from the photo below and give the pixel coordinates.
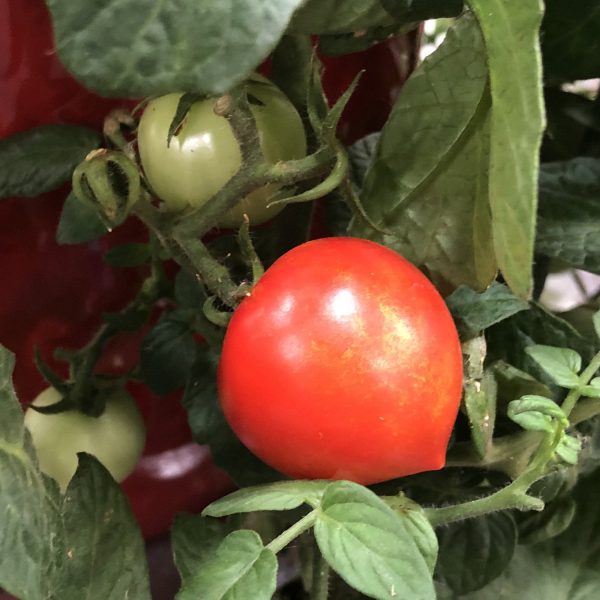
(204, 155)
(116, 438)
(344, 363)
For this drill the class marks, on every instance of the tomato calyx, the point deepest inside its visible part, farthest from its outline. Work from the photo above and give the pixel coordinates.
(108, 181)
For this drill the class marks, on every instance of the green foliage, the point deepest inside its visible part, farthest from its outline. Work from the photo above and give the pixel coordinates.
(569, 212)
(45, 538)
(571, 49)
(196, 46)
(78, 223)
(42, 159)
(562, 568)
(474, 553)
(435, 205)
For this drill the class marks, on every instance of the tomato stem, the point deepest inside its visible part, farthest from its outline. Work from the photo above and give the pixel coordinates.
(290, 534)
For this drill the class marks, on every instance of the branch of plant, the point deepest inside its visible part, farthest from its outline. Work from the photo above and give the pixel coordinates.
(290, 534)
(84, 360)
(538, 457)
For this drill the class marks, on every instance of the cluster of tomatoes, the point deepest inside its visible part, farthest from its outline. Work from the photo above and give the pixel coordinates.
(338, 321)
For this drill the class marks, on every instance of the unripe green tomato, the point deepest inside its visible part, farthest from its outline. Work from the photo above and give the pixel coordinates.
(116, 438)
(204, 154)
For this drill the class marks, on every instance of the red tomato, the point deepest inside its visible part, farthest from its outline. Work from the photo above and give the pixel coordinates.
(343, 363)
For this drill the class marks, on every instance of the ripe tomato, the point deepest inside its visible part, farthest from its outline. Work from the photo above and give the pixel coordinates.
(116, 438)
(343, 363)
(204, 155)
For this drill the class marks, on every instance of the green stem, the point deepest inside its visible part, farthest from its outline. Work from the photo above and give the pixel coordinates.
(512, 496)
(290, 534)
(573, 396)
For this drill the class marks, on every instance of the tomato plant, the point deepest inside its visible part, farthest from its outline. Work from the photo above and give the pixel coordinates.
(337, 343)
(336, 361)
(116, 437)
(204, 154)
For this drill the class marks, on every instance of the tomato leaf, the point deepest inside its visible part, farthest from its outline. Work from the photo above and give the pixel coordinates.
(536, 413)
(370, 546)
(568, 449)
(114, 565)
(30, 530)
(209, 426)
(331, 16)
(419, 10)
(418, 524)
(562, 365)
(563, 568)
(513, 383)
(476, 312)
(479, 395)
(509, 339)
(167, 355)
(281, 495)
(570, 40)
(569, 212)
(475, 552)
(79, 222)
(42, 159)
(517, 120)
(194, 540)
(427, 184)
(241, 567)
(128, 255)
(552, 521)
(141, 48)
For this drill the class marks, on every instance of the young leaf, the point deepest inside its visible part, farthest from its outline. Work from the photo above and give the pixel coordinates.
(241, 567)
(105, 556)
(561, 364)
(427, 184)
(78, 223)
(30, 529)
(198, 45)
(475, 552)
(42, 159)
(536, 413)
(476, 312)
(568, 449)
(509, 339)
(370, 546)
(592, 390)
(511, 35)
(281, 495)
(569, 212)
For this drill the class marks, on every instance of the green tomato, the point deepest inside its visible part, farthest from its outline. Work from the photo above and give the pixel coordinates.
(116, 438)
(204, 154)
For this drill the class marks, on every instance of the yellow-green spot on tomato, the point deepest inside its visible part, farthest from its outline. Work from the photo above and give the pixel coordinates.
(116, 438)
(204, 154)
